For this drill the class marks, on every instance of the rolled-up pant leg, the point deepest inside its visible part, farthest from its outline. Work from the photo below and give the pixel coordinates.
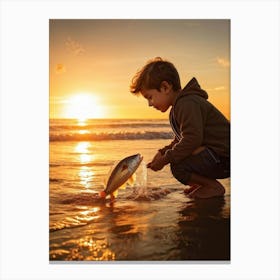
(206, 163)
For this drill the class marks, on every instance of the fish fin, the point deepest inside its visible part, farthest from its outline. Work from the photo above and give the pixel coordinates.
(132, 179)
(115, 194)
(123, 187)
(112, 198)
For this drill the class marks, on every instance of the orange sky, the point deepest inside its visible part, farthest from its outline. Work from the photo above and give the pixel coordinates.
(93, 61)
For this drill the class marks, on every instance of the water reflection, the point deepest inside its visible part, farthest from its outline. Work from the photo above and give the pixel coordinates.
(204, 208)
(205, 230)
(84, 249)
(88, 215)
(86, 173)
(82, 148)
(127, 223)
(89, 249)
(83, 131)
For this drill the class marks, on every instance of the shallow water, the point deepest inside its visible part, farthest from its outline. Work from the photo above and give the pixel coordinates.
(151, 222)
(146, 231)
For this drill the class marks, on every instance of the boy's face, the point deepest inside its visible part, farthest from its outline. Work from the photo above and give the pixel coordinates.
(159, 99)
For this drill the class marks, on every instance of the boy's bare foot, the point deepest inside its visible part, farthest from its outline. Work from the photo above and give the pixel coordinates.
(191, 189)
(207, 187)
(207, 192)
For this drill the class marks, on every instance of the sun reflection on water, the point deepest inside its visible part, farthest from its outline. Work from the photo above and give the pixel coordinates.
(86, 176)
(84, 249)
(82, 147)
(91, 250)
(90, 212)
(86, 173)
(83, 131)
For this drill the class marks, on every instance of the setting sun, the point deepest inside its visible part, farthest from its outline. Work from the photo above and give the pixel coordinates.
(84, 106)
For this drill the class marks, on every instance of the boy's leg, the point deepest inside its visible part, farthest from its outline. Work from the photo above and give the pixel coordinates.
(199, 172)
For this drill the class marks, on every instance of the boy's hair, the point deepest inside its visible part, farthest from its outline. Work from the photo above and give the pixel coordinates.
(153, 74)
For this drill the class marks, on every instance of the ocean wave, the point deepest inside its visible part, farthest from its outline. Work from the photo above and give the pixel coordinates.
(56, 127)
(147, 135)
(77, 164)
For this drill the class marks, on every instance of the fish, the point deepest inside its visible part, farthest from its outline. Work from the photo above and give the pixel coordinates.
(123, 172)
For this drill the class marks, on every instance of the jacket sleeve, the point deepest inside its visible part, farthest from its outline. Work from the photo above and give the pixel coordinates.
(168, 147)
(189, 118)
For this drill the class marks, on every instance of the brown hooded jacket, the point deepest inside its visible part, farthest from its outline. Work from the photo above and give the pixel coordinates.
(196, 122)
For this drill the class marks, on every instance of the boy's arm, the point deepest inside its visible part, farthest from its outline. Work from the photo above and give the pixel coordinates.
(159, 159)
(168, 147)
(189, 117)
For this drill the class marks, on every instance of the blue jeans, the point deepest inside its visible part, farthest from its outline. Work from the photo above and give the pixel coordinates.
(206, 163)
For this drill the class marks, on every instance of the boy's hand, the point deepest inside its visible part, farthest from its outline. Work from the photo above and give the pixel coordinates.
(158, 162)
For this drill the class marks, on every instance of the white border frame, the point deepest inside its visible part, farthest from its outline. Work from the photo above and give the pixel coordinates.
(255, 138)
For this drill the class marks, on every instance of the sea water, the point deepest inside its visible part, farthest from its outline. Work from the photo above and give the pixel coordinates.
(150, 221)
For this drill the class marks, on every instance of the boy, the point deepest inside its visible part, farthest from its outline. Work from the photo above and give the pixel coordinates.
(200, 151)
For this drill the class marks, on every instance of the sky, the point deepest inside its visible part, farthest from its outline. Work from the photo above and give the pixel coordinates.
(92, 63)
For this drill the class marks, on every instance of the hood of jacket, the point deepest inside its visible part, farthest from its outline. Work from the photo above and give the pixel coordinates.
(193, 88)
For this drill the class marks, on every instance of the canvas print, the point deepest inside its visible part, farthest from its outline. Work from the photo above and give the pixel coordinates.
(139, 140)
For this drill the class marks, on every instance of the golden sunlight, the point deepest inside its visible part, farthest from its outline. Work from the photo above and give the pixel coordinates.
(82, 149)
(83, 106)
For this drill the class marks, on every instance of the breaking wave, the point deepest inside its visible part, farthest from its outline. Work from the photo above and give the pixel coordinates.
(146, 135)
(111, 125)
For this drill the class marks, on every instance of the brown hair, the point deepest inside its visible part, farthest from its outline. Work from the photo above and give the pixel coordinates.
(153, 74)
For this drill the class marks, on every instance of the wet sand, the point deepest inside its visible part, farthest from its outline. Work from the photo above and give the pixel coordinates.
(205, 228)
